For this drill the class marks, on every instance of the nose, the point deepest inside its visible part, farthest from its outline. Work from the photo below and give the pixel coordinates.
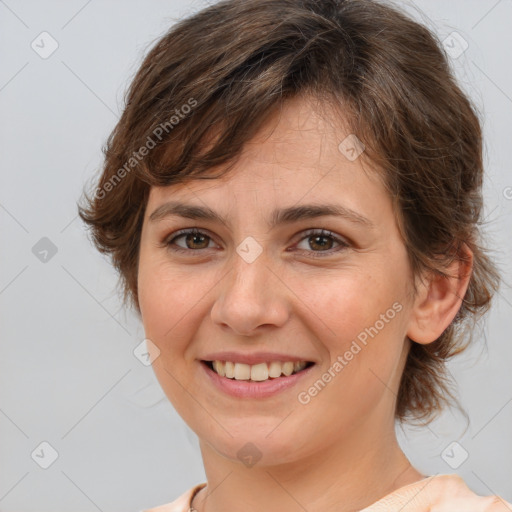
(251, 297)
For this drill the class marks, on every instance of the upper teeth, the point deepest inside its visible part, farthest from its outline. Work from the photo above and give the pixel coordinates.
(261, 371)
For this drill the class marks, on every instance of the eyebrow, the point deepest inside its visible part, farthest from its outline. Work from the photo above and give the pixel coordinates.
(278, 216)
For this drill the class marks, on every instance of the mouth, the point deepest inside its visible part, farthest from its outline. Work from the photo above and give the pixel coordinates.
(272, 370)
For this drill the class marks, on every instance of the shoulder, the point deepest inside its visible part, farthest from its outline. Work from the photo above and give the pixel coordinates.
(439, 493)
(181, 504)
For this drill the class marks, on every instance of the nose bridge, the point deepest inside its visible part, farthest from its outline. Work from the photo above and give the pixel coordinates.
(245, 284)
(248, 296)
(248, 273)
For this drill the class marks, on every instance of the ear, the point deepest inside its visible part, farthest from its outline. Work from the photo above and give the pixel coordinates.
(439, 299)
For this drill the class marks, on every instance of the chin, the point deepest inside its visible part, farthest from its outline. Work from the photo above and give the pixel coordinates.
(252, 446)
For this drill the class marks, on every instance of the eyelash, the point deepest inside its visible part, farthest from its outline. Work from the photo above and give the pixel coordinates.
(169, 242)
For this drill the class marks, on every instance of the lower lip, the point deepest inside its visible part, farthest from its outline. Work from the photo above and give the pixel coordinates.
(252, 389)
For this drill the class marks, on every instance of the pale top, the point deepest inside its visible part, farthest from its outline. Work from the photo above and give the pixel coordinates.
(438, 493)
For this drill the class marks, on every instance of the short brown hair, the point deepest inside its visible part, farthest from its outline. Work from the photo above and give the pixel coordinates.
(236, 62)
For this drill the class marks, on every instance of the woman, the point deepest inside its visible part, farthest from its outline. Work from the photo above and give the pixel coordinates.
(292, 198)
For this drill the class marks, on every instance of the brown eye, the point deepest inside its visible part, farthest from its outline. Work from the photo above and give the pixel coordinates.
(320, 241)
(193, 240)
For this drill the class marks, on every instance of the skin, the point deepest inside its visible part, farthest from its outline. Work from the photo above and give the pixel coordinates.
(338, 452)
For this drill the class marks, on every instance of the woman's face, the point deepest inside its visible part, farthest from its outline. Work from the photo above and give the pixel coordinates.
(266, 283)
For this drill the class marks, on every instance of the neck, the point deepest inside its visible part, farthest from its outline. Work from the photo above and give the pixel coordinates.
(349, 475)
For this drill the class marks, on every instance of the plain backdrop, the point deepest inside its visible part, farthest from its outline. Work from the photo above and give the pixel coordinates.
(73, 396)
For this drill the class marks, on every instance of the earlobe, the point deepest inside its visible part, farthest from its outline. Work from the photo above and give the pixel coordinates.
(439, 298)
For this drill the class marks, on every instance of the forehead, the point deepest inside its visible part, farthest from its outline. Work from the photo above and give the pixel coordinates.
(300, 155)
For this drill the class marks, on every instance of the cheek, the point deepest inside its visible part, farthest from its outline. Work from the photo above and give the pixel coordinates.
(170, 302)
(347, 301)
(160, 309)
(364, 351)
(359, 317)
(158, 306)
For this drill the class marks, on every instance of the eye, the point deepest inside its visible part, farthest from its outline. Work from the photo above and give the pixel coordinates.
(194, 239)
(322, 241)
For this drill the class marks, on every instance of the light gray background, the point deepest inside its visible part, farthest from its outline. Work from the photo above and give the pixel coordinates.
(68, 375)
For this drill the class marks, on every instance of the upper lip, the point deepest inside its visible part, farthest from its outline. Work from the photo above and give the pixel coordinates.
(255, 358)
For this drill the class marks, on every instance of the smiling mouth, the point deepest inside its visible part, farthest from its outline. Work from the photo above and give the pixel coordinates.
(257, 372)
